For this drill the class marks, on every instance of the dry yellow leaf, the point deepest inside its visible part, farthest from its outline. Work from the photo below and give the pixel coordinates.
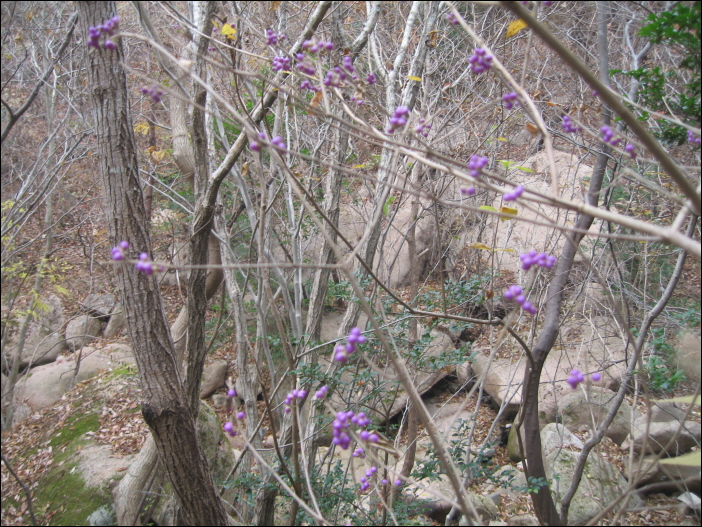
(228, 31)
(315, 102)
(141, 128)
(418, 79)
(478, 245)
(515, 27)
(508, 213)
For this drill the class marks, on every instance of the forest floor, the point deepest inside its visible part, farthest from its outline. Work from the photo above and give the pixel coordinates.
(25, 446)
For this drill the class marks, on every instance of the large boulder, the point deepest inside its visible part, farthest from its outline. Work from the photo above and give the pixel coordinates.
(503, 382)
(100, 306)
(667, 477)
(599, 486)
(44, 385)
(116, 323)
(589, 408)
(43, 342)
(520, 236)
(394, 260)
(686, 436)
(82, 330)
(213, 378)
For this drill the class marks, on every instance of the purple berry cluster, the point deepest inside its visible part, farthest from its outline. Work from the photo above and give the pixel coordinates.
(534, 258)
(470, 191)
(370, 79)
(277, 141)
(451, 19)
(398, 119)
(272, 38)
(108, 29)
(228, 426)
(692, 139)
(342, 352)
(515, 194)
(608, 137)
(365, 480)
(576, 377)
(568, 126)
(255, 145)
(336, 77)
(341, 424)
(423, 128)
(295, 394)
(348, 64)
(315, 46)
(630, 149)
(153, 92)
(321, 393)
(144, 264)
(510, 99)
(359, 452)
(514, 292)
(480, 61)
(118, 252)
(304, 66)
(476, 164)
(307, 85)
(280, 63)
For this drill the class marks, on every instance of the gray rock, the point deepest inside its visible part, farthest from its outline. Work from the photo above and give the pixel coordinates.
(45, 385)
(116, 323)
(555, 437)
(424, 380)
(648, 470)
(213, 378)
(599, 485)
(105, 515)
(661, 412)
(81, 331)
(660, 434)
(99, 306)
(43, 342)
(579, 408)
(524, 520)
(503, 382)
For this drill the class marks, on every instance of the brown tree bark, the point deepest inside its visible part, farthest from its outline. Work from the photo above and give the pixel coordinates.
(165, 405)
(543, 502)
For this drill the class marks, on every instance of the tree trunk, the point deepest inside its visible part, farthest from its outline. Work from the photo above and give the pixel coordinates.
(165, 405)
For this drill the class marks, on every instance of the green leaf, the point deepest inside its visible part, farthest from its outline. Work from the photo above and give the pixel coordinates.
(687, 399)
(487, 207)
(386, 207)
(691, 459)
(525, 169)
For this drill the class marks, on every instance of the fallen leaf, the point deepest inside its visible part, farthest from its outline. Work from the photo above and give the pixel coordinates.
(314, 103)
(515, 27)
